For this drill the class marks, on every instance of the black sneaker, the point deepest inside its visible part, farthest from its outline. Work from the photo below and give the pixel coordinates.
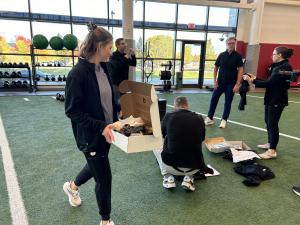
(296, 190)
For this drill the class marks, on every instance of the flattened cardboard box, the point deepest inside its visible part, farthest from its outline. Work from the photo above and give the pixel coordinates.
(139, 100)
(211, 142)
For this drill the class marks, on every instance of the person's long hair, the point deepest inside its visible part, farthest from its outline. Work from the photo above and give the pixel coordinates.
(90, 45)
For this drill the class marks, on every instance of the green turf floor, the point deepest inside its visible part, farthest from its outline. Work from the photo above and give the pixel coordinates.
(45, 157)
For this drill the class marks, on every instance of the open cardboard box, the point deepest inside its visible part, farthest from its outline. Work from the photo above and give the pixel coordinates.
(139, 100)
(211, 142)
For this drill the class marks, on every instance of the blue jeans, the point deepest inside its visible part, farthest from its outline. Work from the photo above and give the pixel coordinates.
(229, 94)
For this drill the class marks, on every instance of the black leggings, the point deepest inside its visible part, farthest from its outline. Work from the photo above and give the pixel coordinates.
(98, 167)
(272, 117)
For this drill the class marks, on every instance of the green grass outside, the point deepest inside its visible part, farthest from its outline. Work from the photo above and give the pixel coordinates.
(45, 157)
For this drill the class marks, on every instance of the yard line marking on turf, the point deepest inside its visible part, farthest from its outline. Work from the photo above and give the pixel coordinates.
(253, 96)
(16, 204)
(53, 97)
(26, 99)
(246, 125)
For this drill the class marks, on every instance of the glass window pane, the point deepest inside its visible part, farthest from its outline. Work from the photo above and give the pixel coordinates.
(117, 32)
(80, 31)
(192, 14)
(226, 17)
(15, 36)
(209, 73)
(90, 8)
(160, 12)
(188, 35)
(138, 10)
(138, 42)
(51, 29)
(161, 43)
(216, 43)
(138, 70)
(10, 5)
(115, 9)
(58, 7)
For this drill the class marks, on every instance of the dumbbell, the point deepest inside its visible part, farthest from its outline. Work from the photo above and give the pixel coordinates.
(62, 98)
(19, 84)
(21, 64)
(1, 64)
(58, 96)
(5, 64)
(59, 78)
(37, 64)
(1, 74)
(10, 65)
(47, 78)
(6, 84)
(13, 74)
(26, 64)
(13, 84)
(52, 78)
(58, 64)
(25, 84)
(64, 78)
(14, 65)
(6, 75)
(37, 78)
(19, 74)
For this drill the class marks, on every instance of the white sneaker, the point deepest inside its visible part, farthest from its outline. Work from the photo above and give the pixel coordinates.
(109, 223)
(223, 124)
(169, 182)
(265, 146)
(208, 121)
(188, 183)
(74, 197)
(270, 154)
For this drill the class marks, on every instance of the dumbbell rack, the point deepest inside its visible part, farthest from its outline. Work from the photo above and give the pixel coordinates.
(10, 78)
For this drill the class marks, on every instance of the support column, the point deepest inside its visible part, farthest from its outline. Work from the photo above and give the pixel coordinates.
(127, 25)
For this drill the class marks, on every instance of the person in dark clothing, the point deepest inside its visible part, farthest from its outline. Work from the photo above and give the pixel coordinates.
(91, 108)
(120, 61)
(229, 67)
(184, 132)
(276, 97)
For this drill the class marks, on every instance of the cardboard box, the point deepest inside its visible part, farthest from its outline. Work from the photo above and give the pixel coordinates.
(139, 100)
(219, 144)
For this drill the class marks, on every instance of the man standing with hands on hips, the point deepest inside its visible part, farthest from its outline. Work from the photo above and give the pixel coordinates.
(120, 61)
(227, 77)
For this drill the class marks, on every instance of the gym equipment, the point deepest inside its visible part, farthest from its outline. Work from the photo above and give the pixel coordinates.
(13, 74)
(70, 41)
(19, 84)
(19, 74)
(148, 64)
(58, 64)
(56, 43)
(6, 84)
(39, 41)
(165, 76)
(49, 64)
(52, 78)
(6, 75)
(37, 64)
(38, 78)
(47, 78)
(21, 64)
(25, 84)
(13, 84)
(59, 78)
(5, 64)
(60, 97)
(1, 64)
(1, 74)
(64, 78)
(57, 96)
(15, 65)
(10, 65)
(26, 65)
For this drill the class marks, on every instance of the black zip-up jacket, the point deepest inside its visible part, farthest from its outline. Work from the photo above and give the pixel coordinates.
(120, 67)
(276, 85)
(184, 132)
(83, 107)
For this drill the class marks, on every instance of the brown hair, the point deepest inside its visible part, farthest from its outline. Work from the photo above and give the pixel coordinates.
(285, 52)
(96, 35)
(118, 41)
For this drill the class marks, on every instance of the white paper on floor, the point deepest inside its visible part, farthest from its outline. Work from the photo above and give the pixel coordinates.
(216, 173)
(238, 156)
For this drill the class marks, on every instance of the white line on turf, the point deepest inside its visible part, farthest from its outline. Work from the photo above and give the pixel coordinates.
(253, 96)
(26, 99)
(16, 204)
(246, 125)
(53, 97)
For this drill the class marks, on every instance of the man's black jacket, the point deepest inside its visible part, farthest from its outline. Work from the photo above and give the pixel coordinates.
(120, 67)
(83, 107)
(276, 85)
(184, 132)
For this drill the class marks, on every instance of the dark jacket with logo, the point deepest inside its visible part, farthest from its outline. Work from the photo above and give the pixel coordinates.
(184, 132)
(120, 67)
(276, 85)
(83, 107)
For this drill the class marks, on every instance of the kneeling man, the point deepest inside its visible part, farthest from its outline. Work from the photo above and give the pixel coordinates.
(181, 155)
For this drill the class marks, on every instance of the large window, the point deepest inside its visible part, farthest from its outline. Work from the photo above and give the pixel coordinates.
(10, 5)
(115, 9)
(192, 14)
(160, 12)
(190, 35)
(138, 10)
(59, 7)
(138, 41)
(226, 17)
(90, 8)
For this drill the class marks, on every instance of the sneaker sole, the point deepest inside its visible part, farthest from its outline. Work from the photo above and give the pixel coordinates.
(69, 197)
(186, 187)
(273, 157)
(208, 124)
(169, 186)
(261, 147)
(297, 193)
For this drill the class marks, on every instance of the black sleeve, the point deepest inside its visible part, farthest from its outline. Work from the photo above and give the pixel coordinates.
(132, 61)
(273, 79)
(218, 61)
(202, 127)
(240, 61)
(73, 106)
(164, 125)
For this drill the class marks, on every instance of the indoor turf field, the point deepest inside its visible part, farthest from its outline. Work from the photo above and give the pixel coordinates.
(45, 156)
